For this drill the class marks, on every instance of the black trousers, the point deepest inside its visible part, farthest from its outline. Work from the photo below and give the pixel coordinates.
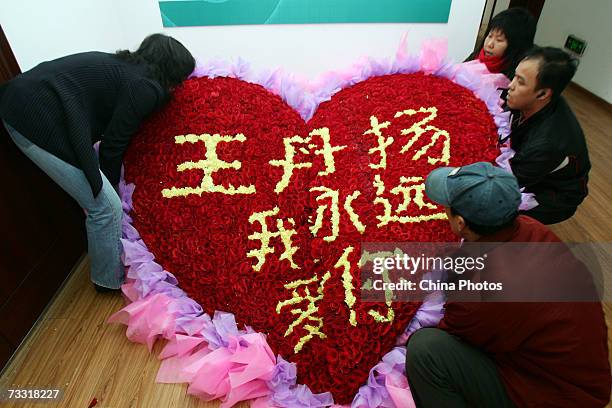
(549, 215)
(553, 207)
(445, 372)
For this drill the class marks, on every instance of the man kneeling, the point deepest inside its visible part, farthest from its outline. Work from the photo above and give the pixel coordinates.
(551, 160)
(498, 354)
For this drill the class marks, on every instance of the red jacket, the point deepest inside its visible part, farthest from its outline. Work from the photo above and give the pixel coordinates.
(547, 354)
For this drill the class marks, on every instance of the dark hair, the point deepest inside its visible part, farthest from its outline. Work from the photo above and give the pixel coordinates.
(519, 27)
(168, 61)
(556, 70)
(485, 229)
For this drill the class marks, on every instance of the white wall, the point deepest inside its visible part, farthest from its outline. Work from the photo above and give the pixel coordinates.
(39, 30)
(590, 21)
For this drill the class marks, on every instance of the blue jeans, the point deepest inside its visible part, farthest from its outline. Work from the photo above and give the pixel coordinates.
(103, 212)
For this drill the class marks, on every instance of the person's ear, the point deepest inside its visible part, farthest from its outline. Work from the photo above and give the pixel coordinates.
(544, 93)
(460, 223)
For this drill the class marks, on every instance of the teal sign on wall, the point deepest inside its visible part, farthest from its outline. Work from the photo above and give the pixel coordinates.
(179, 13)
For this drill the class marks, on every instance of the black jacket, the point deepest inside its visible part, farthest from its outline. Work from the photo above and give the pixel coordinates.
(66, 105)
(542, 143)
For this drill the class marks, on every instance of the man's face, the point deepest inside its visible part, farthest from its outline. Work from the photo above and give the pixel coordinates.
(523, 93)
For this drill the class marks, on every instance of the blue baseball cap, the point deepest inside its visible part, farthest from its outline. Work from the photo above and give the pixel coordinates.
(482, 193)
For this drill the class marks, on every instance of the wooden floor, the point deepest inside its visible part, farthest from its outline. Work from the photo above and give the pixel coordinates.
(72, 347)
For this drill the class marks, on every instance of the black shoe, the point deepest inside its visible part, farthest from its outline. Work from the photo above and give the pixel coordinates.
(104, 289)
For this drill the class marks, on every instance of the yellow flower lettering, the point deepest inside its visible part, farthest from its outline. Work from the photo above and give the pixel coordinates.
(307, 314)
(209, 166)
(418, 130)
(266, 235)
(411, 192)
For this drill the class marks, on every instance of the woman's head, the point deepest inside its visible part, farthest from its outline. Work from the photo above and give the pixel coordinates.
(495, 43)
(509, 35)
(170, 63)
